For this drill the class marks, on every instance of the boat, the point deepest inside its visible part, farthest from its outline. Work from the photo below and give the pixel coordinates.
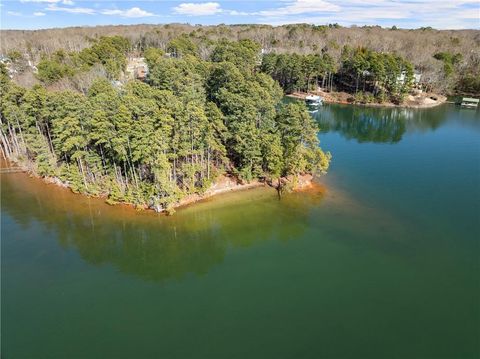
(313, 101)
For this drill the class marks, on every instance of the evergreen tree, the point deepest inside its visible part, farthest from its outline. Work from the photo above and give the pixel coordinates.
(153, 143)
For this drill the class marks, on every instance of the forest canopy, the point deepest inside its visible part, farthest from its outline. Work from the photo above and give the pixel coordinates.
(152, 143)
(108, 51)
(421, 47)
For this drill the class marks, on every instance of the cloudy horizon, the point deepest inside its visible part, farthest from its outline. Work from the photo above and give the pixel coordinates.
(440, 14)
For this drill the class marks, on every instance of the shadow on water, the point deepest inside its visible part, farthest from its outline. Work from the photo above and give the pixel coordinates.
(197, 238)
(149, 245)
(157, 248)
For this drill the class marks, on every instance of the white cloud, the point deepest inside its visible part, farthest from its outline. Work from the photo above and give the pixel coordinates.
(405, 14)
(439, 14)
(236, 13)
(132, 13)
(409, 3)
(375, 13)
(44, 1)
(301, 7)
(72, 10)
(198, 9)
(65, 2)
(469, 14)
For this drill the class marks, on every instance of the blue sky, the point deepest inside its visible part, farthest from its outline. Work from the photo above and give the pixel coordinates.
(441, 14)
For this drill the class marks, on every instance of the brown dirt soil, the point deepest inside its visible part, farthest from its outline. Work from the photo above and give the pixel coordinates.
(223, 184)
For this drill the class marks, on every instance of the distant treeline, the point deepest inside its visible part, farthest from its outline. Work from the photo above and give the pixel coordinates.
(381, 76)
(455, 72)
(153, 143)
(386, 76)
(296, 72)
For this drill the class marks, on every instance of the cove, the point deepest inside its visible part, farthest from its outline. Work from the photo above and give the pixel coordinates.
(384, 264)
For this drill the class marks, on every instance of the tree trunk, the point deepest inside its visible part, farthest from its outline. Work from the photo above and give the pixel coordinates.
(130, 163)
(103, 160)
(83, 173)
(6, 151)
(208, 163)
(50, 144)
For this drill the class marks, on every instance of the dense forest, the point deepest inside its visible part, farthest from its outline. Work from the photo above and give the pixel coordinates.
(152, 143)
(209, 103)
(448, 60)
(382, 76)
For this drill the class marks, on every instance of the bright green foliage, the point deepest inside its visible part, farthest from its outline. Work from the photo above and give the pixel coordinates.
(40, 153)
(178, 75)
(449, 61)
(51, 70)
(153, 143)
(298, 72)
(248, 102)
(14, 55)
(384, 76)
(244, 54)
(182, 46)
(152, 54)
(272, 154)
(299, 140)
(379, 73)
(3, 76)
(108, 51)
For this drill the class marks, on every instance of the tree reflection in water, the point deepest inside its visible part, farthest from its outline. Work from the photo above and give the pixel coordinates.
(378, 125)
(148, 245)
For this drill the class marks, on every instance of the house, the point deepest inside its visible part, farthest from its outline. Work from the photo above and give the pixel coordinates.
(4, 59)
(117, 84)
(8, 65)
(33, 67)
(141, 73)
(417, 76)
(402, 77)
(136, 68)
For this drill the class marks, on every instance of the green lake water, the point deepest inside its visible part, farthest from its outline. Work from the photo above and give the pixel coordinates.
(384, 264)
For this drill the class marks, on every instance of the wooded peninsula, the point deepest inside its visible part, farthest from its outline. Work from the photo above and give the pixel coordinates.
(151, 118)
(151, 144)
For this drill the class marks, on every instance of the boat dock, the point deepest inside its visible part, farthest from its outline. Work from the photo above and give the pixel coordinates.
(470, 102)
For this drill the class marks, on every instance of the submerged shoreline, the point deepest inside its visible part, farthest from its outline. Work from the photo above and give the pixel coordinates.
(224, 184)
(422, 100)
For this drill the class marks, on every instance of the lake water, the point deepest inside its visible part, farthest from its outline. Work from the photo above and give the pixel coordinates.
(384, 264)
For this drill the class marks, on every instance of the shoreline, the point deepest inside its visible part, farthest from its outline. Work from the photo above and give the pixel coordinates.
(224, 184)
(422, 100)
